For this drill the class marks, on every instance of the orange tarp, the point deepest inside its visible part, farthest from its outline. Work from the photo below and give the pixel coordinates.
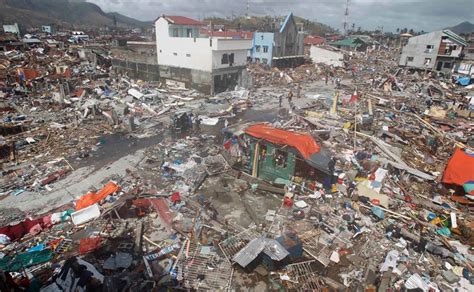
(303, 142)
(460, 168)
(91, 198)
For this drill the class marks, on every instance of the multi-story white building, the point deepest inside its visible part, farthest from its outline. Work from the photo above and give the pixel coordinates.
(209, 64)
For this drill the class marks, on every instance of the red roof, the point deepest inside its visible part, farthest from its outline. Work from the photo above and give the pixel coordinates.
(314, 40)
(182, 20)
(303, 142)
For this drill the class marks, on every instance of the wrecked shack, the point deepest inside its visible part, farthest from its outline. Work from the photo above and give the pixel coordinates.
(277, 155)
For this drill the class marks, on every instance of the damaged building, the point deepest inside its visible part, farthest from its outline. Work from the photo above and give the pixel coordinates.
(282, 48)
(210, 64)
(436, 51)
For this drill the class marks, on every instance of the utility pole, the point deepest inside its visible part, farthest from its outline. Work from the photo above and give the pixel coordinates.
(346, 18)
(247, 15)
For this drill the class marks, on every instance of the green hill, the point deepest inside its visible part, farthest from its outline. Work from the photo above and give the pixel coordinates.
(67, 13)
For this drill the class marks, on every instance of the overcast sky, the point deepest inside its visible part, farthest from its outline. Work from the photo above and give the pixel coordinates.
(425, 15)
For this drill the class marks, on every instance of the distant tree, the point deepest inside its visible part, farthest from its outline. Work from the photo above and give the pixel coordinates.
(405, 30)
(411, 31)
(359, 29)
(398, 30)
(422, 32)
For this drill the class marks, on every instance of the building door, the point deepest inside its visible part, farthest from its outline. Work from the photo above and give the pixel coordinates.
(439, 66)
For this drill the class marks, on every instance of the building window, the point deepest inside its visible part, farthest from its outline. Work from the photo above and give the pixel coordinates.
(175, 32)
(464, 67)
(189, 32)
(409, 59)
(175, 54)
(447, 65)
(427, 61)
(429, 49)
(257, 48)
(281, 158)
(265, 49)
(231, 59)
(225, 59)
(265, 61)
(257, 60)
(188, 55)
(470, 51)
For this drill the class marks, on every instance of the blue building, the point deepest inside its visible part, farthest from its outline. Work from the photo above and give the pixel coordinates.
(262, 49)
(281, 48)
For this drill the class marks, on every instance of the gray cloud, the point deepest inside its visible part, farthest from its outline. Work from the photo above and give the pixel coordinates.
(425, 15)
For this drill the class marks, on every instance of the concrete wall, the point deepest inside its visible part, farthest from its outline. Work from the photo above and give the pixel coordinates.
(240, 59)
(416, 49)
(191, 53)
(262, 39)
(143, 71)
(321, 55)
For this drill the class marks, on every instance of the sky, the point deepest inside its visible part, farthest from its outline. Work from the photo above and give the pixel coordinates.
(427, 15)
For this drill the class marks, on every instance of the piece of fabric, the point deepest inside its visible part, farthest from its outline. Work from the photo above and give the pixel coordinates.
(175, 197)
(460, 168)
(304, 143)
(91, 198)
(89, 244)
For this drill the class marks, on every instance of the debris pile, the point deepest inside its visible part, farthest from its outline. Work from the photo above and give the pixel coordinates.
(315, 178)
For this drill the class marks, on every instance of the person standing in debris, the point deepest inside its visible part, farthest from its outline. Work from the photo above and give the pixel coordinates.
(280, 98)
(326, 78)
(190, 120)
(197, 123)
(298, 92)
(290, 97)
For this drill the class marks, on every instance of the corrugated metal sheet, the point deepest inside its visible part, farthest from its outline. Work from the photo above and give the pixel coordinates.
(270, 247)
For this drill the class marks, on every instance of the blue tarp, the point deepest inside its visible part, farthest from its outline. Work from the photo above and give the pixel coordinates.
(464, 81)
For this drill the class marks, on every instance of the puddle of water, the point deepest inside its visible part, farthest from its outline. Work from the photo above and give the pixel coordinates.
(113, 147)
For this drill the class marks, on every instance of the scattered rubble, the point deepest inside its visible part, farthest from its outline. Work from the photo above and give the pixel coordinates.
(363, 179)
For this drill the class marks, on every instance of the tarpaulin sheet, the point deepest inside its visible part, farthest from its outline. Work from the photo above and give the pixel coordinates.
(464, 81)
(460, 168)
(304, 143)
(24, 260)
(91, 198)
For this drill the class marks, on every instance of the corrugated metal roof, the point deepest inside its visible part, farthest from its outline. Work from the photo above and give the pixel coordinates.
(455, 37)
(270, 247)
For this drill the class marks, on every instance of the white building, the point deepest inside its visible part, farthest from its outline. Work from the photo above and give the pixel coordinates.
(327, 55)
(209, 64)
(12, 28)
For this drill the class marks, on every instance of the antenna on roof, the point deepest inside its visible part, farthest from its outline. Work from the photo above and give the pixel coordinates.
(346, 16)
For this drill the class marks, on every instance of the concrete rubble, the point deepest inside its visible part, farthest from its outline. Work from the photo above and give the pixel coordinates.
(115, 184)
